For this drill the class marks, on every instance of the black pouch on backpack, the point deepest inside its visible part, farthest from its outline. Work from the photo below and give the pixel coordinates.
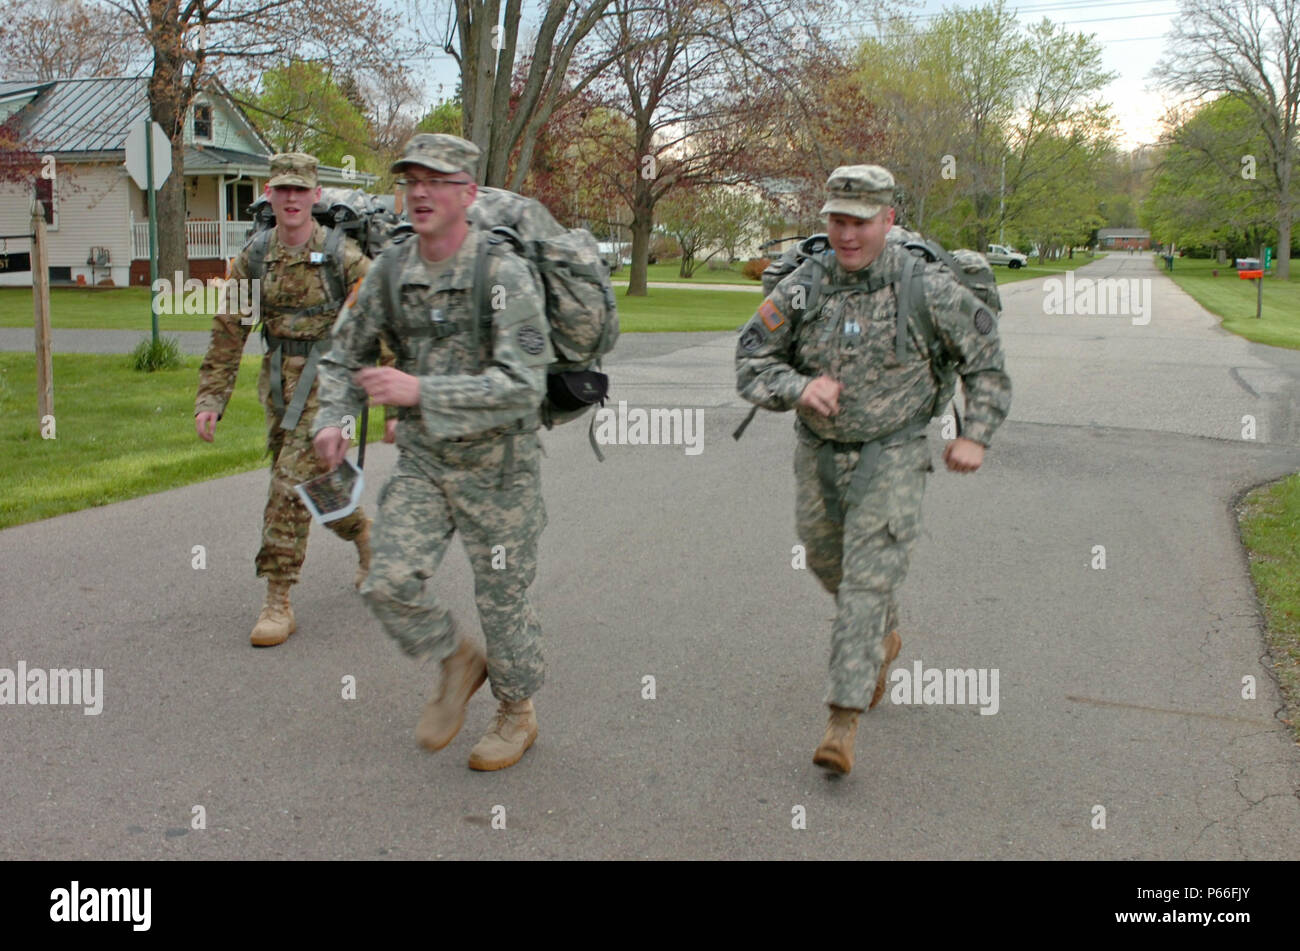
(571, 390)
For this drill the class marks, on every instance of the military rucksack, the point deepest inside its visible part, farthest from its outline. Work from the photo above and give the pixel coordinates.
(344, 213)
(969, 268)
(580, 307)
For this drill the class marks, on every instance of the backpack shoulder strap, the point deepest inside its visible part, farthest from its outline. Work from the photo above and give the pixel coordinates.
(335, 277)
(816, 267)
(258, 245)
(496, 241)
(389, 265)
(481, 310)
(912, 301)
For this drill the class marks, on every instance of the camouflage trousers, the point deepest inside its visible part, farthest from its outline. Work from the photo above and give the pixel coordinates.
(463, 486)
(863, 561)
(286, 521)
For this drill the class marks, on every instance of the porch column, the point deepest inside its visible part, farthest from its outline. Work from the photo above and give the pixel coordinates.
(221, 216)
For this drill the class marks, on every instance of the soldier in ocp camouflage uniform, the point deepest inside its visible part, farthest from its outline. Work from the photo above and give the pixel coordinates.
(862, 455)
(298, 308)
(470, 383)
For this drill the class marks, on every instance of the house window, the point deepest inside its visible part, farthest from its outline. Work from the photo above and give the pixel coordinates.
(202, 121)
(45, 194)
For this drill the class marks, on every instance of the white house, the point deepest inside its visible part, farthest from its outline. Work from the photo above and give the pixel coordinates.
(97, 218)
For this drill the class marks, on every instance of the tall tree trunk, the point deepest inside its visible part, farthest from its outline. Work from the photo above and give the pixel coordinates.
(642, 223)
(1284, 213)
(168, 105)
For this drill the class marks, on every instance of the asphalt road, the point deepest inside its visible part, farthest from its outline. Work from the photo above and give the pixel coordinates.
(1118, 687)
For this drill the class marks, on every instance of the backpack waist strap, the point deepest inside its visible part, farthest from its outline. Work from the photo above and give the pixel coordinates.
(279, 347)
(868, 459)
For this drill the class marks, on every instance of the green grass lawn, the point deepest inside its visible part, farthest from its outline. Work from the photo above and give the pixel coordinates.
(119, 434)
(667, 271)
(1233, 299)
(128, 309)
(1270, 523)
(85, 308)
(677, 309)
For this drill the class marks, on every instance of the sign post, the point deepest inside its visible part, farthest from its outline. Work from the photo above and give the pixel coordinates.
(41, 303)
(149, 160)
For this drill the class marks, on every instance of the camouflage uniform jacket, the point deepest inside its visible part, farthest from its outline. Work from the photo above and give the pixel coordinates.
(291, 283)
(852, 340)
(463, 393)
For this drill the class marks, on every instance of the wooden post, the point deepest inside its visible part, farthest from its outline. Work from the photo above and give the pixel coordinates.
(41, 303)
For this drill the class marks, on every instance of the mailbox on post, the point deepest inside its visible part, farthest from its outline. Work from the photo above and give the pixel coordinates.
(1248, 269)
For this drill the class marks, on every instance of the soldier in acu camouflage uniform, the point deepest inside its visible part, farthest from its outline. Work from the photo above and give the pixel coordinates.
(862, 409)
(299, 304)
(469, 383)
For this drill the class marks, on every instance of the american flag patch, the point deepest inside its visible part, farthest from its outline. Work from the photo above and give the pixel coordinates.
(772, 317)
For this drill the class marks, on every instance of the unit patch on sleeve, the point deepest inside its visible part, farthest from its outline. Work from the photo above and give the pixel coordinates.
(530, 340)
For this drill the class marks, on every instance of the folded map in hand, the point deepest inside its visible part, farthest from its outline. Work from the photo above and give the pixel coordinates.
(333, 495)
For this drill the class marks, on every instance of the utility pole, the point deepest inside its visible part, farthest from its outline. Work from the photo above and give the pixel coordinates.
(1002, 202)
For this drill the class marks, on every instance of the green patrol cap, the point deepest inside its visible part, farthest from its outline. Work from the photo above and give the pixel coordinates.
(858, 190)
(442, 153)
(295, 169)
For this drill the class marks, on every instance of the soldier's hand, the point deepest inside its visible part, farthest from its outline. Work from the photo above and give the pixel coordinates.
(390, 430)
(821, 395)
(331, 446)
(205, 424)
(389, 385)
(963, 455)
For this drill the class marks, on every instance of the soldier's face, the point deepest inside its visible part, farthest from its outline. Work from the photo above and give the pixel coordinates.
(292, 204)
(858, 241)
(436, 201)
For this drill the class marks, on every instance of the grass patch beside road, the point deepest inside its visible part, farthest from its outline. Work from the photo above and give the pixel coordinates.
(665, 309)
(1229, 297)
(119, 434)
(667, 272)
(1270, 523)
(682, 309)
(84, 308)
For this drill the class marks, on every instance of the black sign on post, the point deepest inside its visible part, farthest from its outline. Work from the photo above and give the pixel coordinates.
(13, 263)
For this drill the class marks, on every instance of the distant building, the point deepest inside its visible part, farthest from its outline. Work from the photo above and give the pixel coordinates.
(97, 218)
(1123, 239)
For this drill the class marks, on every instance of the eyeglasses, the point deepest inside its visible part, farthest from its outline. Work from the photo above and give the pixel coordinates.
(431, 182)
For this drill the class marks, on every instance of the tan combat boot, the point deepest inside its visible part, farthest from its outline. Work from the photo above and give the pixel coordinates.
(836, 751)
(462, 673)
(513, 730)
(893, 644)
(362, 542)
(276, 622)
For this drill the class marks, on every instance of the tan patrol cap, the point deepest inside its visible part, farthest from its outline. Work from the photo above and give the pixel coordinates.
(293, 168)
(440, 152)
(858, 190)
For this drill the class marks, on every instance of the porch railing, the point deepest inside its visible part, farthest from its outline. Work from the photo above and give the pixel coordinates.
(204, 239)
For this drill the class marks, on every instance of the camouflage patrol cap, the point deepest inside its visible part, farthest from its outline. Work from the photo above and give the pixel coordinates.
(296, 169)
(442, 153)
(858, 190)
